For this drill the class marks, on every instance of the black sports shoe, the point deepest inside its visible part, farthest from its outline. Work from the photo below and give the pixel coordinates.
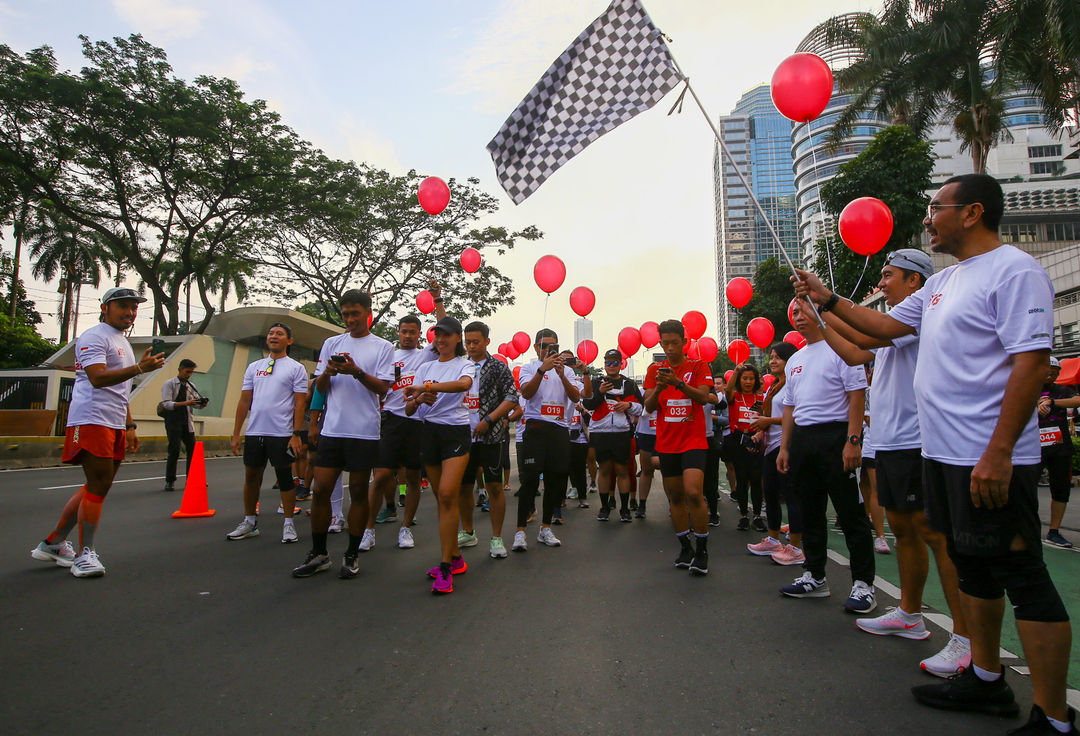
(633, 504)
(700, 563)
(313, 563)
(603, 514)
(350, 566)
(714, 519)
(744, 523)
(1038, 725)
(169, 487)
(686, 556)
(968, 693)
(640, 512)
(759, 524)
(303, 493)
(624, 515)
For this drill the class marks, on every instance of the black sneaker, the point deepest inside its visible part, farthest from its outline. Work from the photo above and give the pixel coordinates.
(633, 504)
(313, 563)
(714, 519)
(640, 512)
(556, 517)
(350, 566)
(624, 515)
(686, 556)
(1038, 725)
(169, 487)
(759, 524)
(302, 493)
(603, 514)
(967, 692)
(700, 564)
(744, 523)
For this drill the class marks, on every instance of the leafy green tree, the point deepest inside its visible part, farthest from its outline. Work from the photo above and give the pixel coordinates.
(895, 167)
(21, 346)
(25, 310)
(772, 294)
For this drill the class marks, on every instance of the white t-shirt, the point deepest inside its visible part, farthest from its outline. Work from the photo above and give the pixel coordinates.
(448, 408)
(106, 406)
(647, 423)
(519, 429)
(971, 319)
(272, 401)
(576, 424)
(352, 410)
(708, 410)
(894, 418)
(550, 403)
(817, 384)
(406, 363)
(472, 396)
(775, 431)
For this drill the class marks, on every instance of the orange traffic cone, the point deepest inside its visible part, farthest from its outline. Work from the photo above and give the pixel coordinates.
(195, 502)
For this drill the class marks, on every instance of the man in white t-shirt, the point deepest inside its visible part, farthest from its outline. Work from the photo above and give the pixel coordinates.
(273, 399)
(99, 427)
(355, 371)
(985, 328)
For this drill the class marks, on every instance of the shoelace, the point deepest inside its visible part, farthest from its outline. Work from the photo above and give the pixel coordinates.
(88, 558)
(806, 577)
(65, 549)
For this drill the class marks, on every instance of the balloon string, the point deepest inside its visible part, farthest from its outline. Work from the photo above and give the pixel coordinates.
(859, 282)
(547, 296)
(821, 209)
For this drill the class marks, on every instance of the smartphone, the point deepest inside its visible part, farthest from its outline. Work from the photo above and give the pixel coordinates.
(571, 361)
(553, 349)
(338, 358)
(616, 382)
(157, 346)
(663, 369)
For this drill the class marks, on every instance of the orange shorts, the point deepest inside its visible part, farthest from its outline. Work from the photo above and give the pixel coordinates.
(99, 441)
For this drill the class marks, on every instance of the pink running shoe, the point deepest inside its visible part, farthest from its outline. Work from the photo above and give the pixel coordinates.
(443, 583)
(458, 566)
(766, 547)
(789, 555)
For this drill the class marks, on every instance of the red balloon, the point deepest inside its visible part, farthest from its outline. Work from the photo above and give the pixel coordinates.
(587, 351)
(761, 332)
(512, 352)
(470, 260)
(624, 354)
(502, 359)
(501, 350)
(692, 350)
(795, 339)
(728, 375)
(425, 302)
(433, 194)
(582, 300)
(517, 376)
(791, 311)
(431, 334)
(650, 335)
(622, 365)
(629, 340)
(370, 320)
(549, 273)
(801, 87)
(694, 323)
(521, 342)
(708, 349)
(739, 292)
(738, 351)
(866, 224)
(767, 380)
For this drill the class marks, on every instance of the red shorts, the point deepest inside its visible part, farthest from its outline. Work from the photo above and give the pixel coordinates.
(99, 441)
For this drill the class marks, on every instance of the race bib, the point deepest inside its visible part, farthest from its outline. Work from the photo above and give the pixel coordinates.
(405, 380)
(472, 402)
(652, 422)
(1050, 436)
(552, 410)
(747, 415)
(677, 410)
(576, 421)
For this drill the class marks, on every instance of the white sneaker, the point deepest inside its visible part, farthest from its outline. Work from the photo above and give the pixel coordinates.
(498, 549)
(952, 660)
(572, 494)
(243, 530)
(63, 554)
(368, 540)
(288, 532)
(466, 539)
(87, 565)
(404, 538)
(519, 542)
(546, 536)
(881, 546)
(337, 523)
(893, 622)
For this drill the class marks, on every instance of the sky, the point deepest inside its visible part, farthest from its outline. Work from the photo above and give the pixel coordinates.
(425, 85)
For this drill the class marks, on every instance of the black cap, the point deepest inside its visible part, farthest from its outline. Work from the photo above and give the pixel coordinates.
(613, 353)
(449, 325)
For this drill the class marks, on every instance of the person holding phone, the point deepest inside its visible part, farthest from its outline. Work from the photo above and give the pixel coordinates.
(615, 407)
(744, 399)
(273, 398)
(178, 397)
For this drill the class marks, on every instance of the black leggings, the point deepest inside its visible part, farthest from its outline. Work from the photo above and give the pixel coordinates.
(546, 451)
(747, 476)
(776, 486)
(712, 474)
(579, 453)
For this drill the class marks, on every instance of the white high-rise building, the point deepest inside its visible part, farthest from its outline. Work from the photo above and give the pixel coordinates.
(582, 331)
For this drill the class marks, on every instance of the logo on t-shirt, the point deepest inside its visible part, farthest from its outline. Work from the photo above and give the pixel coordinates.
(796, 370)
(935, 298)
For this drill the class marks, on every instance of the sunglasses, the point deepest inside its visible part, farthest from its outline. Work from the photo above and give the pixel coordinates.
(270, 366)
(612, 362)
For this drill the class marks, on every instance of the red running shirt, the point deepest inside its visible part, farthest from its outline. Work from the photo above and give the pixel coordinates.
(680, 421)
(741, 411)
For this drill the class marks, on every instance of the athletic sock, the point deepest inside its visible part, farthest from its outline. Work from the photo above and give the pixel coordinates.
(354, 545)
(624, 501)
(985, 675)
(318, 543)
(702, 541)
(391, 507)
(1048, 533)
(909, 618)
(89, 514)
(604, 501)
(68, 518)
(1060, 726)
(252, 519)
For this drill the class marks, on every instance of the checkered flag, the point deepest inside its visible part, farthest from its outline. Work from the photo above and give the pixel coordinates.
(618, 67)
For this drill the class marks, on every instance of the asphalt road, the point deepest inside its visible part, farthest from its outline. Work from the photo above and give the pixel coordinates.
(190, 633)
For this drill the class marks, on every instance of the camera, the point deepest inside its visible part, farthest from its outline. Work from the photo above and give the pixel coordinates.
(571, 361)
(203, 402)
(552, 349)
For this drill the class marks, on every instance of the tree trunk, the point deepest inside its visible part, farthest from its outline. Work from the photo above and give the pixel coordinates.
(75, 319)
(19, 228)
(65, 319)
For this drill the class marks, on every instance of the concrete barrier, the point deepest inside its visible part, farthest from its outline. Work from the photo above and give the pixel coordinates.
(42, 452)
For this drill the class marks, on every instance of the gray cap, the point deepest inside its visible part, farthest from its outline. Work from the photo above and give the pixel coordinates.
(121, 292)
(1054, 362)
(911, 259)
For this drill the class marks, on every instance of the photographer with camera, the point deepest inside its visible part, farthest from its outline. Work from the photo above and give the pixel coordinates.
(615, 406)
(178, 396)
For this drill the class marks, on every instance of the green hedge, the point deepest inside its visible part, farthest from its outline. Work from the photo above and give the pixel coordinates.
(1076, 456)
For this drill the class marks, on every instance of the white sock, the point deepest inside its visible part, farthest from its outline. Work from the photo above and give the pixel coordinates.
(250, 519)
(909, 617)
(985, 675)
(1060, 726)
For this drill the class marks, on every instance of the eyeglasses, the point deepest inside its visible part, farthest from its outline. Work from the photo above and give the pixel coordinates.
(933, 207)
(270, 366)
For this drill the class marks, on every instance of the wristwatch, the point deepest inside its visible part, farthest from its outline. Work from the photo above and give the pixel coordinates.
(131, 426)
(299, 432)
(830, 304)
(855, 439)
(360, 375)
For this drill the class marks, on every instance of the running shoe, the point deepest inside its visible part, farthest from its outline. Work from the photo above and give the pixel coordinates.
(686, 556)
(895, 623)
(789, 555)
(546, 536)
(624, 515)
(458, 566)
(337, 523)
(592, 487)
(444, 582)
(881, 546)
(466, 539)
(633, 504)
(1039, 725)
(1054, 538)
(350, 566)
(603, 514)
(556, 517)
(244, 530)
(714, 519)
(281, 509)
(498, 549)
(967, 692)
(519, 543)
(63, 554)
(861, 599)
(759, 525)
(313, 563)
(700, 564)
(405, 539)
(368, 540)
(806, 587)
(572, 494)
(481, 498)
(744, 524)
(486, 508)
(583, 504)
(386, 514)
(87, 564)
(950, 661)
(302, 493)
(766, 547)
(288, 533)
(169, 487)
(640, 513)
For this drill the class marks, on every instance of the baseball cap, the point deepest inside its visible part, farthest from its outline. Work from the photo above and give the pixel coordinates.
(1054, 362)
(911, 259)
(613, 353)
(121, 292)
(449, 325)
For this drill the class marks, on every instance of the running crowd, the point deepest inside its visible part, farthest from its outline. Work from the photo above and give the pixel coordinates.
(955, 472)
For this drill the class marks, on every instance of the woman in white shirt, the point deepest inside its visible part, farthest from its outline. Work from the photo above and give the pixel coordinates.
(445, 438)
